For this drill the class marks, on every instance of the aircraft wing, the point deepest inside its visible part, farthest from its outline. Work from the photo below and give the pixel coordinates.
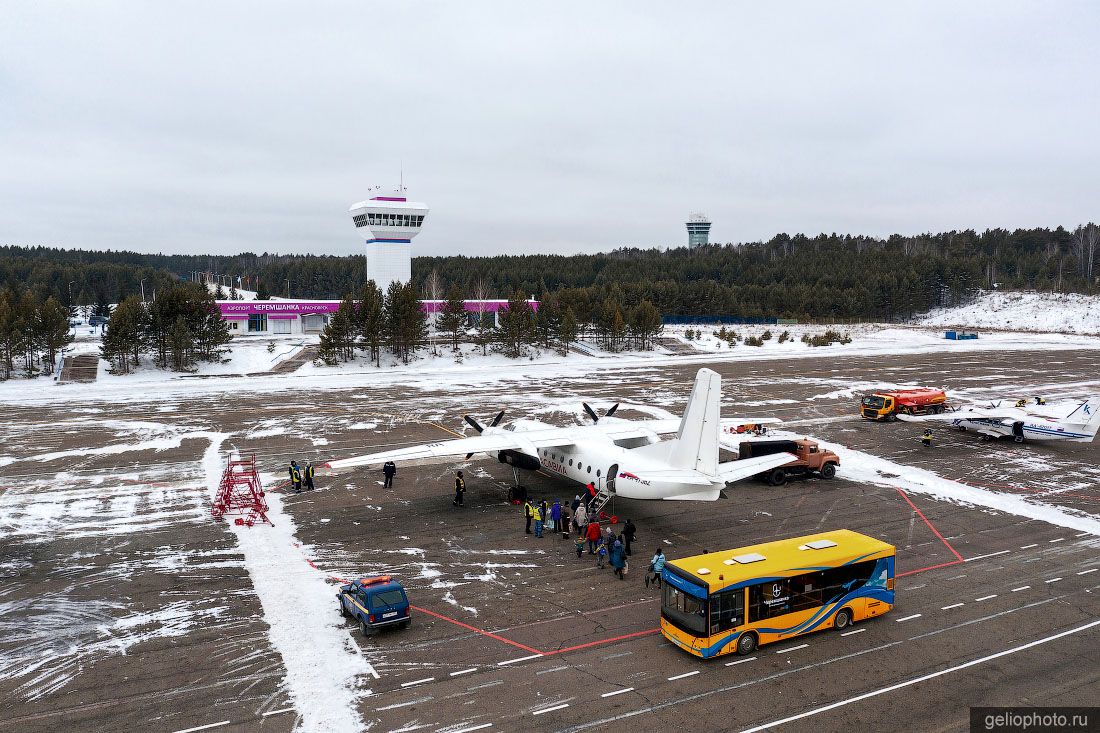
(736, 470)
(501, 440)
(1010, 414)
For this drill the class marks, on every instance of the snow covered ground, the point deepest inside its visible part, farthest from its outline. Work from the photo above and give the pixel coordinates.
(251, 356)
(860, 466)
(1023, 311)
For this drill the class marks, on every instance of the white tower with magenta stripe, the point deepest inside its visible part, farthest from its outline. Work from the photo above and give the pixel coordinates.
(388, 222)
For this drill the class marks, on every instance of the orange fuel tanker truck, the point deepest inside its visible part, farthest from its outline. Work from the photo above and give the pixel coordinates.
(886, 405)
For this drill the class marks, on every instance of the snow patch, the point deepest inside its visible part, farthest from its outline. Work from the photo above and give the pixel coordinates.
(323, 663)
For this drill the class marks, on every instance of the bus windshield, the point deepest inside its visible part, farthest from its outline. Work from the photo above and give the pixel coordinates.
(874, 401)
(686, 612)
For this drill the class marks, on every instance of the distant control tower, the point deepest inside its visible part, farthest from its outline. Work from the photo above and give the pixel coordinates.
(389, 221)
(698, 230)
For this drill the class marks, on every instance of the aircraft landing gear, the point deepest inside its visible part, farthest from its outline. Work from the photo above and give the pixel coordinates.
(517, 493)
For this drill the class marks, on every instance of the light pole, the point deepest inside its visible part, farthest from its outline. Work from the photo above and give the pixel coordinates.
(288, 289)
(142, 283)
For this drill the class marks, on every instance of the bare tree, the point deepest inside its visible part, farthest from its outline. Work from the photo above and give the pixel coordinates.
(1092, 241)
(1084, 243)
(433, 286)
(481, 294)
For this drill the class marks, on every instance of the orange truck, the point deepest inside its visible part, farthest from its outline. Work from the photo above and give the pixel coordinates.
(809, 459)
(887, 404)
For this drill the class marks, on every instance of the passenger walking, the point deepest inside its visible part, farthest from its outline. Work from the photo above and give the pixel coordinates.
(579, 544)
(656, 565)
(926, 439)
(528, 514)
(538, 521)
(460, 489)
(576, 503)
(589, 494)
(629, 530)
(601, 555)
(618, 559)
(592, 534)
(609, 536)
(295, 477)
(309, 476)
(555, 516)
(389, 470)
(580, 518)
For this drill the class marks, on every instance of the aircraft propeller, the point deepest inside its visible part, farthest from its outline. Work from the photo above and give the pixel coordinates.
(476, 426)
(594, 416)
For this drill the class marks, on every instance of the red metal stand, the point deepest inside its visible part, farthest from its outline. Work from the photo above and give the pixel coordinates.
(240, 492)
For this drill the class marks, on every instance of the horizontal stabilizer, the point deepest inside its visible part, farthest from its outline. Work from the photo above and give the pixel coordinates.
(747, 467)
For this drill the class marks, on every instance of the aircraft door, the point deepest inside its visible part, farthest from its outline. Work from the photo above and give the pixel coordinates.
(611, 474)
(1018, 431)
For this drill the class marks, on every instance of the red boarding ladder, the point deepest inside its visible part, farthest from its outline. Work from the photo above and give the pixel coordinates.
(240, 493)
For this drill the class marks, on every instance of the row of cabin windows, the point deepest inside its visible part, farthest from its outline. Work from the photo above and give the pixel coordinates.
(580, 466)
(388, 220)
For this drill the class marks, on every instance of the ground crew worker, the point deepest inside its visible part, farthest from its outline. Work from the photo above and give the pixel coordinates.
(308, 476)
(1021, 403)
(295, 477)
(388, 470)
(460, 489)
(926, 439)
(538, 520)
(528, 513)
(1040, 401)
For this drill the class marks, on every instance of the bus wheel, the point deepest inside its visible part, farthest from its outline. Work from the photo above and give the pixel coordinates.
(843, 619)
(746, 644)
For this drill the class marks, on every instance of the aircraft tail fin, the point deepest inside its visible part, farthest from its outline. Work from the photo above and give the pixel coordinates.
(1087, 418)
(695, 446)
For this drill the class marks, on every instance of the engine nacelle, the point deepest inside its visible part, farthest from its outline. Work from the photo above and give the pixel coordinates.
(518, 459)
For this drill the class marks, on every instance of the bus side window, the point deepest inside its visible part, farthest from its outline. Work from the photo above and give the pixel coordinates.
(727, 610)
(768, 600)
(806, 591)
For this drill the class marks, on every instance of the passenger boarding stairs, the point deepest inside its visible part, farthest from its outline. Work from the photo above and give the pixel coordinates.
(599, 501)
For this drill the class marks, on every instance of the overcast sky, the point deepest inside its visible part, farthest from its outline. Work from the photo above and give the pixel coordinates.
(553, 127)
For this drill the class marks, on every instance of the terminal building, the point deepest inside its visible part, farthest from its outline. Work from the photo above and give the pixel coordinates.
(295, 317)
(698, 226)
(388, 222)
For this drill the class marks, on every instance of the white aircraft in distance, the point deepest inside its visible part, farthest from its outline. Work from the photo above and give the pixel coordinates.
(997, 421)
(624, 458)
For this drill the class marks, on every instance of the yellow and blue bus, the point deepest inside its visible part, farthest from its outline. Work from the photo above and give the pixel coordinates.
(737, 600)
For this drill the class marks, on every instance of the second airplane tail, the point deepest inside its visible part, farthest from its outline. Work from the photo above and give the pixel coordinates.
(1086, 418)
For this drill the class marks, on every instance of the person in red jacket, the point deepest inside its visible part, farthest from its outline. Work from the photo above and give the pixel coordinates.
(589, 494)
(592, 534)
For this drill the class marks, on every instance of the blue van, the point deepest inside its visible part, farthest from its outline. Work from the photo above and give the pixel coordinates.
(375, 603)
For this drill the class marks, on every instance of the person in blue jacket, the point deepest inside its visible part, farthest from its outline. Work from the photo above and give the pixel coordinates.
(656, 565)
(618, 559)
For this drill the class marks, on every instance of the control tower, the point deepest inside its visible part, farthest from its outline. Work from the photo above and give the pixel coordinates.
(698, 230)
(388, 222)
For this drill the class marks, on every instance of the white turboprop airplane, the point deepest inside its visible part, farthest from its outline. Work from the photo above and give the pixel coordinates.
(997, 421)
(624, 458)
